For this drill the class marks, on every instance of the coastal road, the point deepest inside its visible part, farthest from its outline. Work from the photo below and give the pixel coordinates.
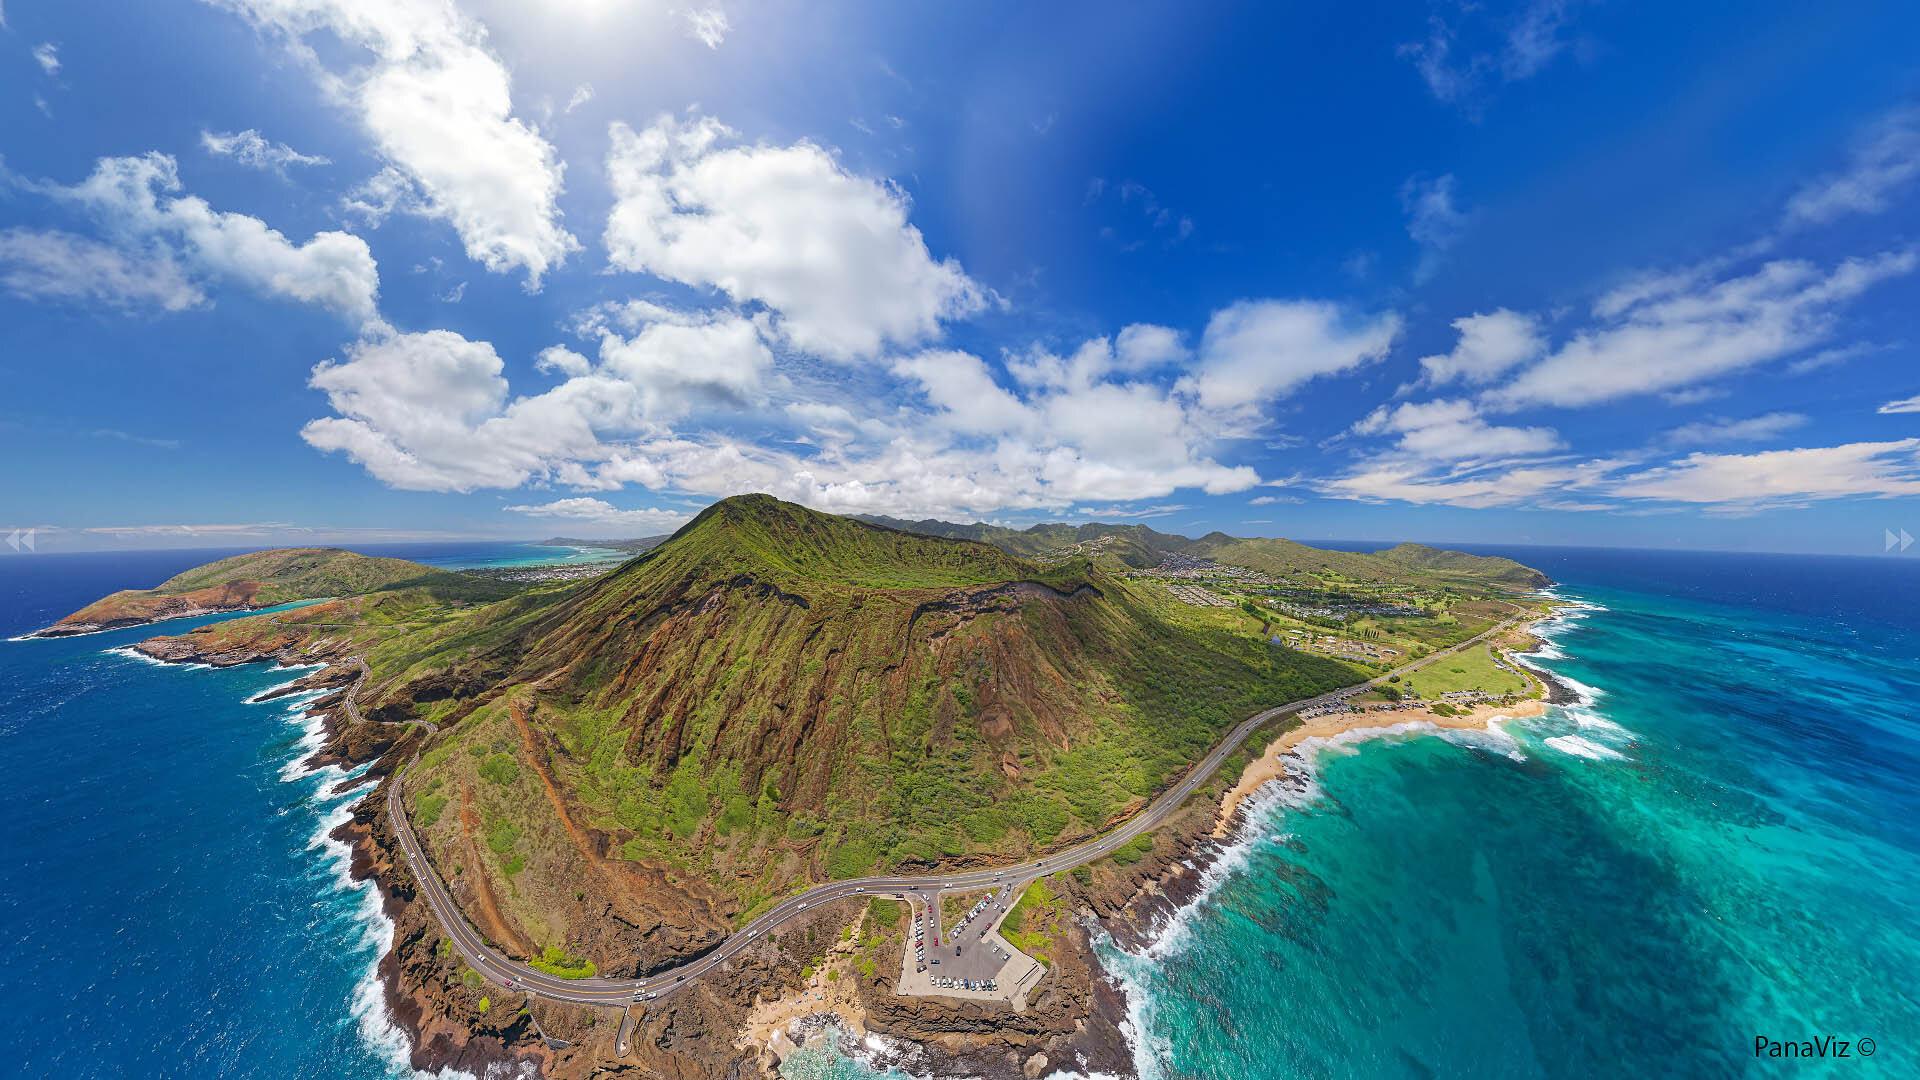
(499, 969)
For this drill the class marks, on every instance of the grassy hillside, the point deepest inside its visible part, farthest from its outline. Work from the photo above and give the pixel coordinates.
(266, 578)
(1479, 567)
(1140, 547)
(776, 696)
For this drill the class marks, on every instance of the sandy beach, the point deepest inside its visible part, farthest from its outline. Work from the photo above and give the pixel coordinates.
(1268, 766)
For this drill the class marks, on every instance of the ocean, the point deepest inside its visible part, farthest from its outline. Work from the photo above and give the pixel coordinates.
(170, 904)
(1717, 844)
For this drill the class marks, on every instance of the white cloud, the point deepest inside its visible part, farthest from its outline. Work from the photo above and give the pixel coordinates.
(1144, 347)
(1681, 330)
(706, 25)
(252, 149)
(1887, 161)
(438, 105)
(47, 55)
(429, 412)
(651, 520)
(1258, 350)
(682, 363)
(132, 197)
(581, 95)
(59, 266)
(1490, 345)
(1453, 431)
(560, 360)
(1751, 429)
(1782, 477)
(1904, 405)
(1412, 481)
(831, 255)
(1272, 500)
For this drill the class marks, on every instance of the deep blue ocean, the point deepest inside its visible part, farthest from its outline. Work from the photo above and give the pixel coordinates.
(1720, 842)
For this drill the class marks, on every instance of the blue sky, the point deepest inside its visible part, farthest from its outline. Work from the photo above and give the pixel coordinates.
(1548, 272)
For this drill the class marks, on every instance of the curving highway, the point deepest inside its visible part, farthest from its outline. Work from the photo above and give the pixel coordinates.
(497, 968)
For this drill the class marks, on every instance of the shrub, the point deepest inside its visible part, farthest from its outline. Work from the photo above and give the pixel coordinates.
(501, 836)
(428, 809)
(500, 769)
(554, 962)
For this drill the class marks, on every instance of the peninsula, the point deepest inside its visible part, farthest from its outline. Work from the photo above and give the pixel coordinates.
(622, 822)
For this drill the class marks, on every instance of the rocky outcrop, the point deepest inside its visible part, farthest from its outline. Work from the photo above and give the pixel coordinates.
(135, 608)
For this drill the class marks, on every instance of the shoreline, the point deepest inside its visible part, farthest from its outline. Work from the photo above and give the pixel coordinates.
(1271, 765)
(423, 1006)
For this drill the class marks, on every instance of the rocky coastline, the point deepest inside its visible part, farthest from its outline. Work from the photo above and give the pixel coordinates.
(453, 1020)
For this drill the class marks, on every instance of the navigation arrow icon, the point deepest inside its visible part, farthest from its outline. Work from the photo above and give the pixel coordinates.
(28, 540)
(13, 540)
(1905, 540)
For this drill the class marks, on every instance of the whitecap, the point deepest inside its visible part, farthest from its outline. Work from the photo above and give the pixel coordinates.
(1582, 747)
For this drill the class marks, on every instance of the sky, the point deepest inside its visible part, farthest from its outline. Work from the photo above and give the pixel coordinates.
(1551, 272)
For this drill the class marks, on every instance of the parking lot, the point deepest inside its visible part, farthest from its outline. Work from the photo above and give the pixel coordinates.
(942, 961)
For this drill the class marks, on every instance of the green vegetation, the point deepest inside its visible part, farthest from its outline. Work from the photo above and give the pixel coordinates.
(1469, 669)
(1033, 921)
(500, 769)
(554, 962)
(1134, 850)
(883, 914)
(774, 696)
(485, 1004)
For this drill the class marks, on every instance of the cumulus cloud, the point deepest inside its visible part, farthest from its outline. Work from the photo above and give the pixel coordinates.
(433, 412)
(59, 266)
(1490, 345)
(652, 520)
(134, 199)
(437, 104)
(254, 150)
(429, 412)
(1255, 351)
(829, 255)
(1886, 161)
(1679, 330)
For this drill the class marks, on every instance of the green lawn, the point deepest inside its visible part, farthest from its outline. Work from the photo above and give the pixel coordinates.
(1468, 669)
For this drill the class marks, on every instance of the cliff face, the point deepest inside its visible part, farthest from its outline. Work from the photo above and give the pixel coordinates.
(131, 607)
(263, 579)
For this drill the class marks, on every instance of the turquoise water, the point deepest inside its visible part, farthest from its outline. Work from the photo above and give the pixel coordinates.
(1719, 843)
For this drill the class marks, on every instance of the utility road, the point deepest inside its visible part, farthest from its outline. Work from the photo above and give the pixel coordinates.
(499, 969)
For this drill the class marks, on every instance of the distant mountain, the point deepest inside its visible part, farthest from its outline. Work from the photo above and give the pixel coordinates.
(631, 547)
(262, 579)
(1140, 547)
(1484, 567)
